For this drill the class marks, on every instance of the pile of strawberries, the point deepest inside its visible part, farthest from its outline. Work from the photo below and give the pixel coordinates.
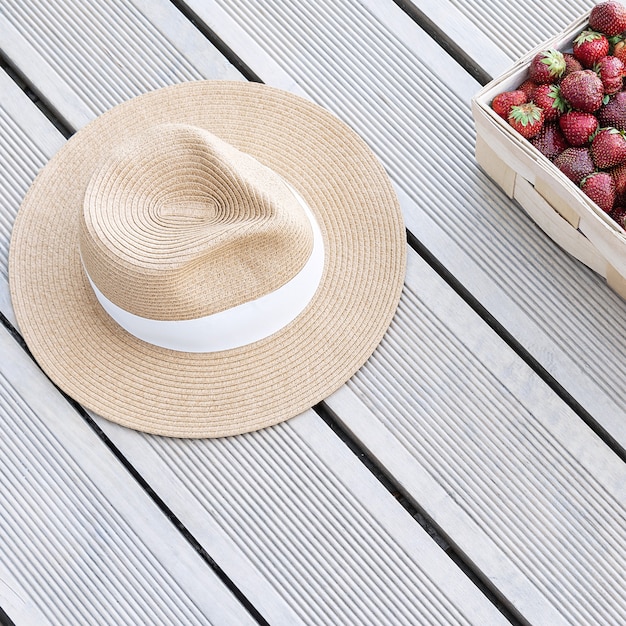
(573, 108)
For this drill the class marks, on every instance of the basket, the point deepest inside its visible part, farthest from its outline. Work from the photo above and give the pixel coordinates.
(553, 201)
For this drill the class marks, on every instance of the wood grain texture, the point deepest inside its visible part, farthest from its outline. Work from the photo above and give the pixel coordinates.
(82, 541)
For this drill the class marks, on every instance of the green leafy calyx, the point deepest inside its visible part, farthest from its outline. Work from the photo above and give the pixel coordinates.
(525, 114)
(587, 35)
(555, 61)
(560, 102)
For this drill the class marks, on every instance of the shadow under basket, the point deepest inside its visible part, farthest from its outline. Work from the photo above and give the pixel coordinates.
(553, 201)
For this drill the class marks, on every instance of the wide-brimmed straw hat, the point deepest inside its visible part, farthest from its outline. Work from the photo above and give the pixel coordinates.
(207, 259)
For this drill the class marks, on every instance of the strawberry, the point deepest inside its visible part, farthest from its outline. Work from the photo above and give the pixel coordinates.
(589, 47)
(550, 141)
(599, 186)
(575, 163)
(572, 64)
(619, 178)
(503, 102)
(619, 49)
(618, 213)
(613, 113)
(548, 97)
(608, 18)
(610, 69)
(583, 91)
(547, 66)
(608, 148)
(578, 127)
(527, 119)
(527, 87)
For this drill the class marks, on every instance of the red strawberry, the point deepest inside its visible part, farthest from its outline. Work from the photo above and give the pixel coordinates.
(550, 141)
(608, 148)
(547, 66)
(548, 97)
(578, 127)
(619, 49)
(583, 90)
(589, 47)
(503, 102)
(618, 213)
(527, 87)
(600, 187)
(575, 163)
(572, 64)
(613, 113)
(610, 69)
(619, 178)
(608, 18)
(527, 119)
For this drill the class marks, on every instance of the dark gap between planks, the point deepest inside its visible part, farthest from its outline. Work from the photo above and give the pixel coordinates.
(22, 82)
(420, 516)
(5, 620)
(519, 349)
(459, 55)
(213, 38)
(447, 43)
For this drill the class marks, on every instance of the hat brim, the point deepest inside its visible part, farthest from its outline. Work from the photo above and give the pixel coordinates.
(179, 394)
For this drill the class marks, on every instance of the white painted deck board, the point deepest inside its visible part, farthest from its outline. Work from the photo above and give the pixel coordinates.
(495, 34)
(81, 542)
(371, 65)
(516, 481)
(513, 28)
(85, 57)
(310, 521)
(27, 142)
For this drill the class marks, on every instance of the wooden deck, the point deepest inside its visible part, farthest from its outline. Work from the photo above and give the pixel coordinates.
(473, 472)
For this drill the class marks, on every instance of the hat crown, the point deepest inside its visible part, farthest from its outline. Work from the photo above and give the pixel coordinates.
(178, 224)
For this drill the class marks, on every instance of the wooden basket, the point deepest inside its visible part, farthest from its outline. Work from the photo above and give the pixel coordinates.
(553, 201)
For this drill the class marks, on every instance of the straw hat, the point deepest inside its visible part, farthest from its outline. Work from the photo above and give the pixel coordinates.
(207, 259)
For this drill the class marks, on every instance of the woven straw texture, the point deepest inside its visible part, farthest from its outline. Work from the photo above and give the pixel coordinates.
(216, 394)
(179, 225)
